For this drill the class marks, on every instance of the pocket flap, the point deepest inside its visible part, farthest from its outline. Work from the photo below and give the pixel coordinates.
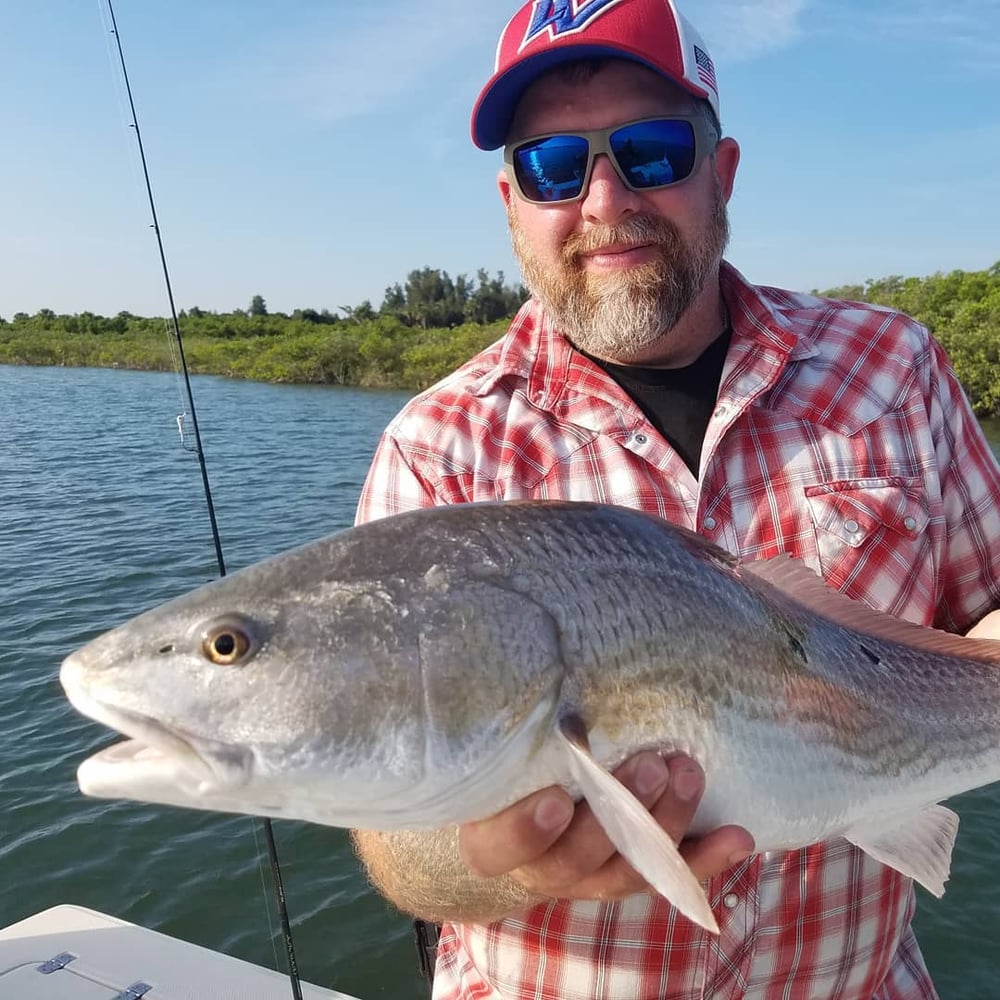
(853, 510)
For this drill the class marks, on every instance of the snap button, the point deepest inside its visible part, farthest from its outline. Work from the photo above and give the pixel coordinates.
(909, 523)
(731, 900)
(709, 523)
(851, 526)
(640, 439)
(720, 412)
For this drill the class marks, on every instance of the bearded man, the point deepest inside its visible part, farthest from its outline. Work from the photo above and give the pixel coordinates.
(646, 371)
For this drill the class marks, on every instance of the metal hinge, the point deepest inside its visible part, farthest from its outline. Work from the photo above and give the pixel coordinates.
(134, 992)
(55, 963)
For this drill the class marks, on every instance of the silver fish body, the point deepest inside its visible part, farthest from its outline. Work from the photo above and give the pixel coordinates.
(434, 667)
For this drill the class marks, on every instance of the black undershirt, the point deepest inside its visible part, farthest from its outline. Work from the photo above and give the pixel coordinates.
(678, 402)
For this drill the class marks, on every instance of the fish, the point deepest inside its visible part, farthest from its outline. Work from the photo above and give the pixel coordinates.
(435, 666)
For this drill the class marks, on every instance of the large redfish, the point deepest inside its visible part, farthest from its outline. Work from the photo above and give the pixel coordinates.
(432, 668)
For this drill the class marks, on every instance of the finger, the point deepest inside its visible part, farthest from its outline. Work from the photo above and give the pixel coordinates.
(584, 848)
(676, 806)
(516, 836)
(986, 628)
(673, 803)
(706, 857)
(715, 852)
(674, 810)
(712, 853)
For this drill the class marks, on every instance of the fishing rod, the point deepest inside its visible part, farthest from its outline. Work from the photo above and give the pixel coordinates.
(272, 850)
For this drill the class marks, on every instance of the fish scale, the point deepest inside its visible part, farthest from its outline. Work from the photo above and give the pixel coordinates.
(433, 667)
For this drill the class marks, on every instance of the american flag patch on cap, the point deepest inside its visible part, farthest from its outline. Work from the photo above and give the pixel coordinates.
(706, 69)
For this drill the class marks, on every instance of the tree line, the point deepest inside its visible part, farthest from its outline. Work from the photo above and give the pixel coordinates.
(431, 323)
(423, 328)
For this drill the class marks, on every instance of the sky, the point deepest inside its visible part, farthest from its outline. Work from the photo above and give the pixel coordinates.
(316, 151)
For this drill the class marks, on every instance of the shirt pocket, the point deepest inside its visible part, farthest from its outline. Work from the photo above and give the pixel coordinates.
(872, 542)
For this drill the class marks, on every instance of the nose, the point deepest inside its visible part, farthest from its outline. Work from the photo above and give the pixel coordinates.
(606, 199)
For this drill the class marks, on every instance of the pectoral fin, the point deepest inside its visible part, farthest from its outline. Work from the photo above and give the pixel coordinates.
(918, 845)
(637, 836)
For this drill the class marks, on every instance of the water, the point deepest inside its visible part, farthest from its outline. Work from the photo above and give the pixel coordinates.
(101, 516)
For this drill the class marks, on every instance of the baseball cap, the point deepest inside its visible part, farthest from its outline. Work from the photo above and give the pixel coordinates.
(544, 33)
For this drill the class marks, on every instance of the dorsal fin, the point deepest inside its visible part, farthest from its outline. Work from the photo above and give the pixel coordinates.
(799, 584)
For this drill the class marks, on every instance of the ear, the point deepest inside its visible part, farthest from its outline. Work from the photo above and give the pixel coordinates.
(725, 160)
(503, 183)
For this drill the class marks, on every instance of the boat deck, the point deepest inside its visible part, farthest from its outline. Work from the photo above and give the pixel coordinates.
(72, 953)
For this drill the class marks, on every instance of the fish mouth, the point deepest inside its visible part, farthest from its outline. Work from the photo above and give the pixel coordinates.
(157, 760)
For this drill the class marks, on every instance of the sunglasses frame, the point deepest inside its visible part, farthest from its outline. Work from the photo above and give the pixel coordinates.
(706, 139)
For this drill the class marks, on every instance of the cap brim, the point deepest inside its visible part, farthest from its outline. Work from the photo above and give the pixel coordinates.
(494, 110)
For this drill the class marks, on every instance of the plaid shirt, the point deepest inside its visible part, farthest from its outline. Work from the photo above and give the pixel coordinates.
(840, 436)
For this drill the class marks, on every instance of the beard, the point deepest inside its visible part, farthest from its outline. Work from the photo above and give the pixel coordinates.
(620, 316)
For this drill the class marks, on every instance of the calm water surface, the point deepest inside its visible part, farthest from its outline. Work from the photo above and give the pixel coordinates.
(101, 516)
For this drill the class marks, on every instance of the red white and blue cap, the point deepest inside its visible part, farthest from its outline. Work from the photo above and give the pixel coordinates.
(544, 33)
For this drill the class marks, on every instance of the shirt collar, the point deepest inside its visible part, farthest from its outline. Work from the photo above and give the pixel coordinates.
(533, 350)
(756, 315)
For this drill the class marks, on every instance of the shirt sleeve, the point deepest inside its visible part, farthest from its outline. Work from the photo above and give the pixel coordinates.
(392, 486)
(970, 493)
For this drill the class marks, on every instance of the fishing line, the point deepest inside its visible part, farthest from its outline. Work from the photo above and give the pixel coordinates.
(128, 150)
(196, 446)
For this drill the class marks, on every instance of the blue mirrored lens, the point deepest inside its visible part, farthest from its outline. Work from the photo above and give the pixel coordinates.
(652, 154)
(552, 169)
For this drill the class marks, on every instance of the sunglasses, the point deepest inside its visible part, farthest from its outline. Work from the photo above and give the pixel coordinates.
(647, 154)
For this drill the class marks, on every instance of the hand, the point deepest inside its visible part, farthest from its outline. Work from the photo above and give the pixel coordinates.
(987, 627)
(558, 850)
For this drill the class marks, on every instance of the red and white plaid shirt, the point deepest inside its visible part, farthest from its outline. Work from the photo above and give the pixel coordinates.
(840, 436)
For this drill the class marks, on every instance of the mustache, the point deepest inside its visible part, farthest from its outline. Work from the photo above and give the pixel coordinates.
(636, 229)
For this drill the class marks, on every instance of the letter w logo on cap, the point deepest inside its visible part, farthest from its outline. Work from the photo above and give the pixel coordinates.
(564, 17)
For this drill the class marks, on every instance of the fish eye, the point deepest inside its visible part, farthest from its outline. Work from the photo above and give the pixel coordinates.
(227, 644)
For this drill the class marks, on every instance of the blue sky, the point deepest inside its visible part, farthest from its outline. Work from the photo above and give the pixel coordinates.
(314, 151)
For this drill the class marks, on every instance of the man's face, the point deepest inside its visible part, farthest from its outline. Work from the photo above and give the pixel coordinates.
(617, 269)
